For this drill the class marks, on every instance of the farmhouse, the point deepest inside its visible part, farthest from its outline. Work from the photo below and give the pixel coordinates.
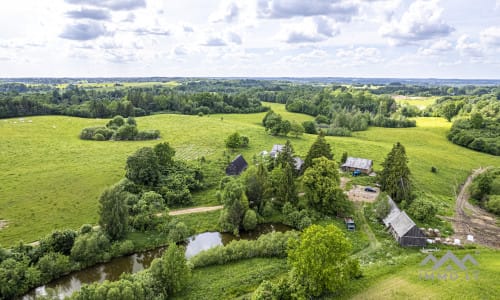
(237, 166)
(402, 227)
(361, 164)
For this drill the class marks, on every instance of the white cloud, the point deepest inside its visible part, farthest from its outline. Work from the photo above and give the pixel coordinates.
(310, 30)
(84, 31)
(340, 10)
(491, 36)
(422, 21)
(359, 55)
(227, 12)
(437, 48)
(469, 48)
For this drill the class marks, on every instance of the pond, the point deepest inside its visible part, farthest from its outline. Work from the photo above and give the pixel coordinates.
(66, 285)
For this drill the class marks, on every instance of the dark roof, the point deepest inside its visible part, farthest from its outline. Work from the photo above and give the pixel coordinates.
(238, 165)
(358, 163)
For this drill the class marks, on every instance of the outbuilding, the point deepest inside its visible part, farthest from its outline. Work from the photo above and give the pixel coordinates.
(237, 166)
(353, 164)
(402, 227)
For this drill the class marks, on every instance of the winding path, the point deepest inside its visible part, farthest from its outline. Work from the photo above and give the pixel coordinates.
(472, 220)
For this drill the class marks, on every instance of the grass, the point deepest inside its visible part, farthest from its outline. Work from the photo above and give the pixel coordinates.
(420, 102)
(232, 280)
(52, 180)
(404, 280)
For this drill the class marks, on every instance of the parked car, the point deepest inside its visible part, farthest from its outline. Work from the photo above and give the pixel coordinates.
(370, 189)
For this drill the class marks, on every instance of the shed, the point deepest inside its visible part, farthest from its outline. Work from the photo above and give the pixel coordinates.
(237, 166)
(349, 223)
(402, 227)
(354, 163)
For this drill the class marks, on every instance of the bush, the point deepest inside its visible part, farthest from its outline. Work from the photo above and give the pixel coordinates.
(59, 241)
(86, 228)
(99, 137)
(273, 244)
(493, 204)
(340, 131)
(309, 127)
(382, 207)
(147, 135)
(53, 265)
(423, 209)
(250, 220)
(178, 232)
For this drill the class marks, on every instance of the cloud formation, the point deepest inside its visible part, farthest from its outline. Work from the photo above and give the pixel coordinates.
(153, 31)
(84, 31)
(228, 13)
(422, 21)
(89, 13)
(491, 36)
(214, 42)
(312, 30)
(437, 48)
(340, 10)
(112, 4)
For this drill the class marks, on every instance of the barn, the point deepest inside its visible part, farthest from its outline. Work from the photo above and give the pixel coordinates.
(402, 227)
(237, 166)
(361, 164)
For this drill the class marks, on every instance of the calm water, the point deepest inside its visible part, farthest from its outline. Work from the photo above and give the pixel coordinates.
(112, 270)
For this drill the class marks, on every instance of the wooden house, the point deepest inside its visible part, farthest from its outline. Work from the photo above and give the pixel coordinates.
(357, 164)
(402, 227)
(237, 166)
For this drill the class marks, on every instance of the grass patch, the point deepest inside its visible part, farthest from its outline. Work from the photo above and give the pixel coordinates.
(232, 280)
(201, 222)
(403, 281)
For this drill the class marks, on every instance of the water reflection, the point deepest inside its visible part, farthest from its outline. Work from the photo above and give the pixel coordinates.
(65, 286)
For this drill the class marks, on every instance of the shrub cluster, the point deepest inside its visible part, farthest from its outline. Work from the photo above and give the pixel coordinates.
(118, 129)
(273, 244)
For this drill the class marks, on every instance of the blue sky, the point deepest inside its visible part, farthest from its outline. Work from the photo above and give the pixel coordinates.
(355, 38)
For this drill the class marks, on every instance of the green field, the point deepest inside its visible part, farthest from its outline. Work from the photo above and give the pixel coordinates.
(420, 102)
(51, 179)
(406, 280)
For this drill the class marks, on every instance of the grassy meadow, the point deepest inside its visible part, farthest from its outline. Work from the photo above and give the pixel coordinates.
(51, 179)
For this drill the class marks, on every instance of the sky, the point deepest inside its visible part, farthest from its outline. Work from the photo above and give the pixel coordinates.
(250, 38)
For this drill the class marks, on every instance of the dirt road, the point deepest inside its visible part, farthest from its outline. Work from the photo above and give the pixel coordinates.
(195, 210)
(472, 220)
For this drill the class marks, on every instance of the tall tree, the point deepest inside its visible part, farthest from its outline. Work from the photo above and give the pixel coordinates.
(113, 212)
(143, 167)
(285, 156)
(395, 176)
(170, 273)
(165, 154)
(321, 260)
(321, 185)
(283, 185)
(235, 205)
(256, 183)
(318, 149)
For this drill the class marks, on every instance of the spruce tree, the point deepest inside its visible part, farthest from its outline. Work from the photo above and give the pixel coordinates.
(395, 176)
(318, 149)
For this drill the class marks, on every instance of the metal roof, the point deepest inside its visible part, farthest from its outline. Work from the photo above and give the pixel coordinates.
(402, 224)
(276, 149)
(358, 163)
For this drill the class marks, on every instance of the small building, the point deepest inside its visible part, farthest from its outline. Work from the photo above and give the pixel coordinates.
(353, 164)
(276, 150)
(349, 223)
(402, 227)
(237, 166)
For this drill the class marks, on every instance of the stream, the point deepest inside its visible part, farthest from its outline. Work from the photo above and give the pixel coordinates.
(66, 285)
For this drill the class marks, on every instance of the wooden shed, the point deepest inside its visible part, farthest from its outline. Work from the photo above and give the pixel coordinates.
(402, 227)
(361, 164)
(237, 166)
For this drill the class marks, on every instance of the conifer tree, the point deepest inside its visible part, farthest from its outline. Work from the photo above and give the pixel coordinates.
(318, 149)
(395, 177)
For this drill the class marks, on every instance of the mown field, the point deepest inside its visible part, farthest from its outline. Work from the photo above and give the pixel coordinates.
(51, 179)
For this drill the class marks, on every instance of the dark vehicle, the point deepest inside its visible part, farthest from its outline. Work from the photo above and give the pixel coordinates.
(370, 189)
